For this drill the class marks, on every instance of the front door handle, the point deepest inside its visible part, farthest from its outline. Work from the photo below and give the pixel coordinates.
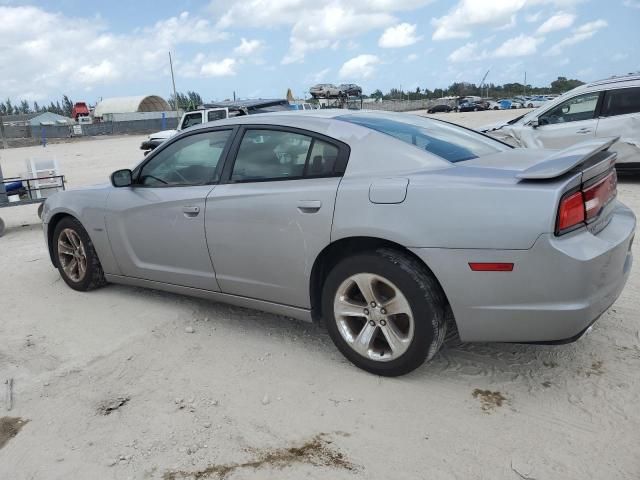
(583, 131)
(309, 206)
(190, 211)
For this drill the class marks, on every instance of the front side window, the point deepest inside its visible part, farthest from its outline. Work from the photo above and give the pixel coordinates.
(621, 102)
(192, 160)
(445, 140)
(191, 119)
(575, 109)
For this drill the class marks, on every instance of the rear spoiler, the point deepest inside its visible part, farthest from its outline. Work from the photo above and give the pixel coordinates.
(565, 160)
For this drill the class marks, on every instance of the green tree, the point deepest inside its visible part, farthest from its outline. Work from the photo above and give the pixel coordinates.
(67, 106)
(562, 84)
(24, 107)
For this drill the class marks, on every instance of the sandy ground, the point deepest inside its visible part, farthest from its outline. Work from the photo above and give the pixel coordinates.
(111, 385)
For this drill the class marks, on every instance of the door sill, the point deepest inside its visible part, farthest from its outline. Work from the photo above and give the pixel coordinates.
(263, 305)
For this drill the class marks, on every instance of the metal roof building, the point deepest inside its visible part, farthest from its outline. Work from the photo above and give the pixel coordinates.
(142, 103)
(36, 119)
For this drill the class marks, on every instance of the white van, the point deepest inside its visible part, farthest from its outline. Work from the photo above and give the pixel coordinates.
(606, 108)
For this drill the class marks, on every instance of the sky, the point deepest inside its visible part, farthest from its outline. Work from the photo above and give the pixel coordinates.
(259, 48)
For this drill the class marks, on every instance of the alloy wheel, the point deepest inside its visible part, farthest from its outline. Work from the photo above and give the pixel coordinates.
(374, 317)
(72, 255)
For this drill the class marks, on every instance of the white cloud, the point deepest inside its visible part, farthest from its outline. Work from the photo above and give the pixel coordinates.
(362, 66)
(632, 3)
(580, 34)
(465, 53)
(247, 47)
(519, 46)
(328, 25)
(412, 57)
(51, 53)
(469, 13)
(223, 68)
(318, 77)
(559, 21)
(401, 35)
(459, 21)
(533, 17)
(314, 25)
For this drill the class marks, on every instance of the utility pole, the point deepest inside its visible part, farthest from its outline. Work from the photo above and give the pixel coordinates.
(525, 83)
(175, 96)
(4, 140)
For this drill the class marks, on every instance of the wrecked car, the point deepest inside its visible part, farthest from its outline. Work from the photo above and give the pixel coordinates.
(603, 109)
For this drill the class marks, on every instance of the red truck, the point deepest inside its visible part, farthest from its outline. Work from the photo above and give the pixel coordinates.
(80, 109)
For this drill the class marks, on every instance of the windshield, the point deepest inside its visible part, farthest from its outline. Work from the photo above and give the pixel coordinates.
(443, 139)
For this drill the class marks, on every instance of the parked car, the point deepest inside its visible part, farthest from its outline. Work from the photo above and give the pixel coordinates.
(508, 104)
(350, 89)
(535, 102)
(216, 111)
(325, 90)
(472, 106)
(491, 105)
(304, 214)
(603, 109)
(440, 108)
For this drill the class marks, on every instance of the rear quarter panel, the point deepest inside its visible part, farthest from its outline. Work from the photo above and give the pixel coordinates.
(459, 207)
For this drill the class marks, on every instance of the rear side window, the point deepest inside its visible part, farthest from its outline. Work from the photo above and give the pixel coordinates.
(283, 155)
(445, 140)
(621, 102)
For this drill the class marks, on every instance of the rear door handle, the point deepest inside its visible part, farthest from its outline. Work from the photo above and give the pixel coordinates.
(190, 211)
(309, 206)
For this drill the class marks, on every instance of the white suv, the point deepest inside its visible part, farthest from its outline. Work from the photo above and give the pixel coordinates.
(606, 108)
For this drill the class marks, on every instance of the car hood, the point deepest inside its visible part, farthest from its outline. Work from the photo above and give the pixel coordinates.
(164, 134)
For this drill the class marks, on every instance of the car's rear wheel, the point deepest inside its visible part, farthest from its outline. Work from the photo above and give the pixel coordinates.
(384, 311)
(76, 258)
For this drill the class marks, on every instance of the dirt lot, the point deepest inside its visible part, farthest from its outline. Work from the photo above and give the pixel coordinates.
(110, 384)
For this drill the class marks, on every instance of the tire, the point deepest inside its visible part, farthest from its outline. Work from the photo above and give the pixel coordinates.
(2, 227)
(419, 334)
(67, 234)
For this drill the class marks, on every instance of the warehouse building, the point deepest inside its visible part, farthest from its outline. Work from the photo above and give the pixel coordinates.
(133, 108)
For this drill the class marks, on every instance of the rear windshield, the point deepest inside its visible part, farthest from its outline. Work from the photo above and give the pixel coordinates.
(445, 140)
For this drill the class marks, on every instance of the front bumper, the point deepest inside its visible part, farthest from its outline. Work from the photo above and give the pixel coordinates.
(556, 290)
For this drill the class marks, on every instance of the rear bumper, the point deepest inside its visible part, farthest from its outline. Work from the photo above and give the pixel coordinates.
(556, 290)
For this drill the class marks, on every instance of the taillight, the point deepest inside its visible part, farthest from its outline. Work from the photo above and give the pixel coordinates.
(599, 194)
(571, 212)
(581, 207)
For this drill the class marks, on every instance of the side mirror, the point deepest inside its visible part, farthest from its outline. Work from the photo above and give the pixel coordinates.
(534, 123)
(122, 178)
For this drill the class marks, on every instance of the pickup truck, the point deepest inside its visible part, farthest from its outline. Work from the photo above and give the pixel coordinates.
(216, 111)
(189, 119)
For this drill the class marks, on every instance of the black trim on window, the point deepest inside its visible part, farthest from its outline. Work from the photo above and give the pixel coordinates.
(154, 153)
(338, 169)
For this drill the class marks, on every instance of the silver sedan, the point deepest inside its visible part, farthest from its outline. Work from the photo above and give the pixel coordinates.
(388, 228)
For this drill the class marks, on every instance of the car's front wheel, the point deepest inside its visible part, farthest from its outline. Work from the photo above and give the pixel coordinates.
(384, 311)
(76, 257)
